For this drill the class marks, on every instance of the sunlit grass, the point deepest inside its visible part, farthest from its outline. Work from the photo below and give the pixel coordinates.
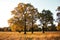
(35, 35)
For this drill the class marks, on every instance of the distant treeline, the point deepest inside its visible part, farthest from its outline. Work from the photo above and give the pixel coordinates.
(5, 29)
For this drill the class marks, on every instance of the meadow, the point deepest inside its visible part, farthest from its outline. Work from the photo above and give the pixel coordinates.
(29, 36)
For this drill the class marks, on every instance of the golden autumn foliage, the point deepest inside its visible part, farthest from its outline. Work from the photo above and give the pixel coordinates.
(16, 27)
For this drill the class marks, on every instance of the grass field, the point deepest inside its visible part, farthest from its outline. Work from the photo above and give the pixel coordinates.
(30, 36)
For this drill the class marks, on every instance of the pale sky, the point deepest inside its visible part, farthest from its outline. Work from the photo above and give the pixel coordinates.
(6, 6)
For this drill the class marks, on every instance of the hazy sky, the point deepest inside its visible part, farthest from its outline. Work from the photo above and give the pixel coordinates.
(6, 6)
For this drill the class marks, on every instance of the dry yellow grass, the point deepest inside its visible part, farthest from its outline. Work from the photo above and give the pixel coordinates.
(29, 36)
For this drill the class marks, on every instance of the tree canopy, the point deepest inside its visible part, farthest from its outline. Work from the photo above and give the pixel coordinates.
(21, 13)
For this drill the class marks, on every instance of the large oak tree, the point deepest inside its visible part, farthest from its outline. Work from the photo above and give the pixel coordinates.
(24, 15)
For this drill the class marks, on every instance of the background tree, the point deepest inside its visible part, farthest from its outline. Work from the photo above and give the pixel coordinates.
(58, 19)
(24, 15)
(46, 17)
